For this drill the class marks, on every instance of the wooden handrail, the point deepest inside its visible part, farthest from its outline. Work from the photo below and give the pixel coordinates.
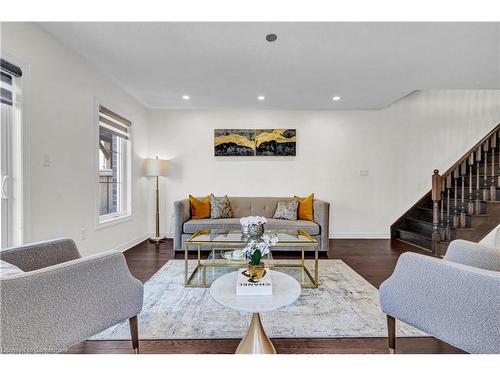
(473, 149)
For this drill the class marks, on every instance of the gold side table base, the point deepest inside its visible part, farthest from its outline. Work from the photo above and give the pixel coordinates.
(256, 340)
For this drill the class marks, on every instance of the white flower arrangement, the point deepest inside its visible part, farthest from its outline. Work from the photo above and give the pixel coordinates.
(255, 250)
(252, 220)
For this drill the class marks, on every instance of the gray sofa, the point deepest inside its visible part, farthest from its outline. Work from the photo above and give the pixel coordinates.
(58, 298)
(184, 226)
(456, 299)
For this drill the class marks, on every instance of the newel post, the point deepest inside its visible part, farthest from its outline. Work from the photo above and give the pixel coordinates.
(436, 197)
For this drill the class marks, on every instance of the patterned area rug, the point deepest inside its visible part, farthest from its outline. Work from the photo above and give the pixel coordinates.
(344, 305)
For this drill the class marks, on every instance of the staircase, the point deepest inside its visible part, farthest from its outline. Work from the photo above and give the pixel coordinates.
(464, 202)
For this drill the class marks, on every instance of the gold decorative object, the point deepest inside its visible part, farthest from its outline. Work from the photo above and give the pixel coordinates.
(255, 272)
(256, 340)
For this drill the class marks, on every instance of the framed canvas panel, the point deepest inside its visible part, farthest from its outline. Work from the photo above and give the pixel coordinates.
(275, 142)
(234, 142)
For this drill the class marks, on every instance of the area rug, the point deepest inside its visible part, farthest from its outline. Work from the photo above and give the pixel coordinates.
(344, 305)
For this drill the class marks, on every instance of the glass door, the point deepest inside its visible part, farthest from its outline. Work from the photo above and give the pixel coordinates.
(10, 164)
(4, 175)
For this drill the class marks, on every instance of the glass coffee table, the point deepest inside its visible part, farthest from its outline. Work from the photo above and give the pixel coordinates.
(223, 258)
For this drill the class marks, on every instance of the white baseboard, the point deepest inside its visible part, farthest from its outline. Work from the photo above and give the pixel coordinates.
(132, 243)
(361, 235)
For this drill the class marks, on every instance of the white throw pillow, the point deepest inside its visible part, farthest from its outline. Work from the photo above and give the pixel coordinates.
(7, 269)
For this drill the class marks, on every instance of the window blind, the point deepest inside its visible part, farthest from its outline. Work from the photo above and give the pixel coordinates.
(7, 71)
(112, 123)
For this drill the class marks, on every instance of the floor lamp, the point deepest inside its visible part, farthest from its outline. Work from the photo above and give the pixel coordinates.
(156, 168)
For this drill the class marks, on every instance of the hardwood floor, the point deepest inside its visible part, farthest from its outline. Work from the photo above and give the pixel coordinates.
(372, 259)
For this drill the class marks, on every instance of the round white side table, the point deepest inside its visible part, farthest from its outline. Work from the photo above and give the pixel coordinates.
(286, 290)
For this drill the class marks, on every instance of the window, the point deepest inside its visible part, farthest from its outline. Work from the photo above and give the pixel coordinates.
(114, 166)
(11, 202)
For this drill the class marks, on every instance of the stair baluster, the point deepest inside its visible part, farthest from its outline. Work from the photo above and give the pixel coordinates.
(436, 197)
(456, 217)
(477, 208)
(486, 190)
(470, 206)
(463, 172)
(493, 188)
(448, 217)
(441, 218)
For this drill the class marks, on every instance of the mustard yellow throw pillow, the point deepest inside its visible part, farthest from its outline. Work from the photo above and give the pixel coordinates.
(200, 208)
(305, 210)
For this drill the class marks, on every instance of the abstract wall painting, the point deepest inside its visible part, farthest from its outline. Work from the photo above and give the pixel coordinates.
(275, 142)
(255, 142)
(234, 142)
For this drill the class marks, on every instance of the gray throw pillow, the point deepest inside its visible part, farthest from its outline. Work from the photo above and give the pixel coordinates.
(220, 208)
(286, 210)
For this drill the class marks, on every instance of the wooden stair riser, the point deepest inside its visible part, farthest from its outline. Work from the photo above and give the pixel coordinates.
(412, 238)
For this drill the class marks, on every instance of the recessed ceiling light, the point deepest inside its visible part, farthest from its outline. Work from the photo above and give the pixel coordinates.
(271, 37)
(336, 98)
(185, 97)
(261, 97)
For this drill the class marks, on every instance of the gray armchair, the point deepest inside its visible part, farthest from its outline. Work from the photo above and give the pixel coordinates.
(456, 299)
(61, 298)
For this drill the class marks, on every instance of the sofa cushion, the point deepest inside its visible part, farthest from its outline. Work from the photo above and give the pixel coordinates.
(220, 207)
(191, 226)
(200, 208)
(287, 210)
(305, 210)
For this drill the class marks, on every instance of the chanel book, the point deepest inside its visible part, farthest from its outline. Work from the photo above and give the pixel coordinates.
(246, 287)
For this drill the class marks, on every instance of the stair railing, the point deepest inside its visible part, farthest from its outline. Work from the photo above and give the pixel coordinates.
(451, 210)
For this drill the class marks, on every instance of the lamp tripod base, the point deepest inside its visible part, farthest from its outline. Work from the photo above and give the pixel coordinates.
(157, 240)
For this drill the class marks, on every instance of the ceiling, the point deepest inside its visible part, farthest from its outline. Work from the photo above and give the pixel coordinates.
(227, 65)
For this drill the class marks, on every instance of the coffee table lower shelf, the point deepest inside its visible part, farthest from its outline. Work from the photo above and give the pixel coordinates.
(204, 273)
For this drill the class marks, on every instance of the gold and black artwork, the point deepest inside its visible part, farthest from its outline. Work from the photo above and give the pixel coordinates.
(255, 142)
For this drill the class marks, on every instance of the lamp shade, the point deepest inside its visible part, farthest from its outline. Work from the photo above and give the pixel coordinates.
(155, 167)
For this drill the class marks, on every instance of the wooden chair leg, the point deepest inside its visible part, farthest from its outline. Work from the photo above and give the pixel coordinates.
(391, 334)
(134, 333)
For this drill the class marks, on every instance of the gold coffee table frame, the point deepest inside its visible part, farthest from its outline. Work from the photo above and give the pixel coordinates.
(192, 244)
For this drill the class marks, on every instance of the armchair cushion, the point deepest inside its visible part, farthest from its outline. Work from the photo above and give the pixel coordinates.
(7, 269)
(474, 255)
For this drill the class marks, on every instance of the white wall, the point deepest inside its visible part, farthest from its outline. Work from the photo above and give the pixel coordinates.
(399, 145)
(59, 118)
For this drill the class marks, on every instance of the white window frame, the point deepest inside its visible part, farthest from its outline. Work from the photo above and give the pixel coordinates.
(125, 203)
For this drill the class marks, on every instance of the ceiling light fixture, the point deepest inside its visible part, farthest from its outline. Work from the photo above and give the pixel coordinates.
(336, 98)
(185, 97)
(261, 97)
(271, 37)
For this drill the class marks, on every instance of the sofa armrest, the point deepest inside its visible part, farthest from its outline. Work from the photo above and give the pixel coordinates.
(49, 309)
(322, 218)
(182, 213)
(456, 303)
(43, 254)
(473, 254)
